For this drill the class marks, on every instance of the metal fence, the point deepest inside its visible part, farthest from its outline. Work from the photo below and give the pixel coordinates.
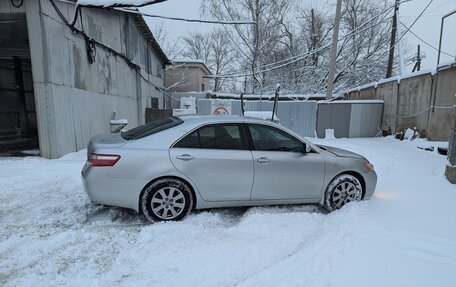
(350, 118)
(311, 118)
(299, 116)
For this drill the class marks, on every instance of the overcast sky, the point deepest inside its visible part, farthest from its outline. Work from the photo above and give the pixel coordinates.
(427, 27)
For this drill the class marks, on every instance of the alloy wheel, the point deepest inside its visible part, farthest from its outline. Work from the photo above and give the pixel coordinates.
(344, 193)
(168, 203)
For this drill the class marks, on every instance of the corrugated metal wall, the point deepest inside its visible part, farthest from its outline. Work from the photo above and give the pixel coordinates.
(75, 100)
(300, 117)
(349, 118)
(311, 118)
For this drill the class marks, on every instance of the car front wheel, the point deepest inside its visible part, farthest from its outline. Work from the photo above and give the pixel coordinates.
(167, 199)
(341, 190)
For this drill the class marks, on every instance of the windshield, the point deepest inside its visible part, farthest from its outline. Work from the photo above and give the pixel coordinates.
(151, 128)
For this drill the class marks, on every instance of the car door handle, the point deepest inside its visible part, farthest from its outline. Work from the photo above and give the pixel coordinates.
(185, 157)
(263, 160)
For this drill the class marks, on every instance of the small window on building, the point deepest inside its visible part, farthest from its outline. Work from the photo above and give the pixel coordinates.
(154, 103)
(203, 88)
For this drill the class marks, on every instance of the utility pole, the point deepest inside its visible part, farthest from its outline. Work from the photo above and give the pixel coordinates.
(389, 70)
(332, 65)
(417, 66)
(399, 42)
(441, 31)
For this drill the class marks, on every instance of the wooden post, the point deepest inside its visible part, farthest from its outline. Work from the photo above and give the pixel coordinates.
(389, 70)
(332, 64)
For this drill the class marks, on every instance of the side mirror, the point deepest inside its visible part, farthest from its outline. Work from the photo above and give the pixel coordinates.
(308, 148)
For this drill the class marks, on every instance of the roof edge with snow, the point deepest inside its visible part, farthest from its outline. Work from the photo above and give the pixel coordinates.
(190, 62)
(117, 3)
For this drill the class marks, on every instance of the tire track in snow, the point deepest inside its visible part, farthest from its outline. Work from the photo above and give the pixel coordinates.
(321, 255)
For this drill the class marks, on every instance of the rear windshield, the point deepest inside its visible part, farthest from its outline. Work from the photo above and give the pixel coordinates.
(151, 128)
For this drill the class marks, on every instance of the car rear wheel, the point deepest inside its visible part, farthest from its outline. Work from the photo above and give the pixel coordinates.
(341, 190)
(167, 199)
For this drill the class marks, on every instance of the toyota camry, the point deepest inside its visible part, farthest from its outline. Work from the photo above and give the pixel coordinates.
(166, 169)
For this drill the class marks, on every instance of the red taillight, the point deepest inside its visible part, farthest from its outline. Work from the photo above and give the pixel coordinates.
(103, 159)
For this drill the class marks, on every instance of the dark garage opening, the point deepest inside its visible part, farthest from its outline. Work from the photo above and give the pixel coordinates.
(18, 124)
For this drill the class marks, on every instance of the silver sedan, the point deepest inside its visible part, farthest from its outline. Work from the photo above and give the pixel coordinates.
(167, 168)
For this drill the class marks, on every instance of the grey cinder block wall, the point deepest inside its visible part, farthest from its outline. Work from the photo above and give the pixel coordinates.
(420, 100)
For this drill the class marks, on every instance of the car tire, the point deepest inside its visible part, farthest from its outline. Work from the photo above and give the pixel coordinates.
(342, 189)
(167, 199)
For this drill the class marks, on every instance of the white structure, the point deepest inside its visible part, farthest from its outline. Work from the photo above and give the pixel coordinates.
(188, 103)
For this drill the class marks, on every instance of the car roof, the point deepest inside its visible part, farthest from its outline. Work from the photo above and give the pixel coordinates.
(203, 119)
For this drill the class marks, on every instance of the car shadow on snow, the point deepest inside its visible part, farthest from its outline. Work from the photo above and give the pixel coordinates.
(234, 215)
(113, 216)
(101, 215)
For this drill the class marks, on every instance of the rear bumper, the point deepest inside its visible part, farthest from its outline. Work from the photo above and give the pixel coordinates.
(110, 191)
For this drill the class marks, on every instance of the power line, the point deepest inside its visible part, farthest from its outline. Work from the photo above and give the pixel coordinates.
(381, 57)
(427, 42)
(305, 55)
(187, 20)
(94, 42)
(125, 8)
(297, 58)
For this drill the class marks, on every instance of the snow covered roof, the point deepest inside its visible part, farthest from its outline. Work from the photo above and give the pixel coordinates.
(271, 96)
(446, 65)
(398, 78)
(192, 62)
(353, 102)
(188, 60)
(262, 115)
(388, 80)
(117, 3)
(418, 73)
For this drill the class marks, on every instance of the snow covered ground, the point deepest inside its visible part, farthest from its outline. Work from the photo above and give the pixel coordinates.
(51, 235)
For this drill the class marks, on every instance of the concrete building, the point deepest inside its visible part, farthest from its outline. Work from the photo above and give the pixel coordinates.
(187, 76)
(65, 75)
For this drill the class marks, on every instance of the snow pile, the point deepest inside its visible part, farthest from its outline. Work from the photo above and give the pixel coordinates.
(51, 235)
(329, 134)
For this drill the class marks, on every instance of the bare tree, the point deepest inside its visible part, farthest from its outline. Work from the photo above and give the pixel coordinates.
(214, 49)
(363, 51)
(255, 44)
(222, 56)
(196, 47)
(360, 57)
(289, 43)
(171, 47)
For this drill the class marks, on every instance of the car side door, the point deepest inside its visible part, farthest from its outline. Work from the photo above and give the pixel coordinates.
(217, 159)
(283, 168)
